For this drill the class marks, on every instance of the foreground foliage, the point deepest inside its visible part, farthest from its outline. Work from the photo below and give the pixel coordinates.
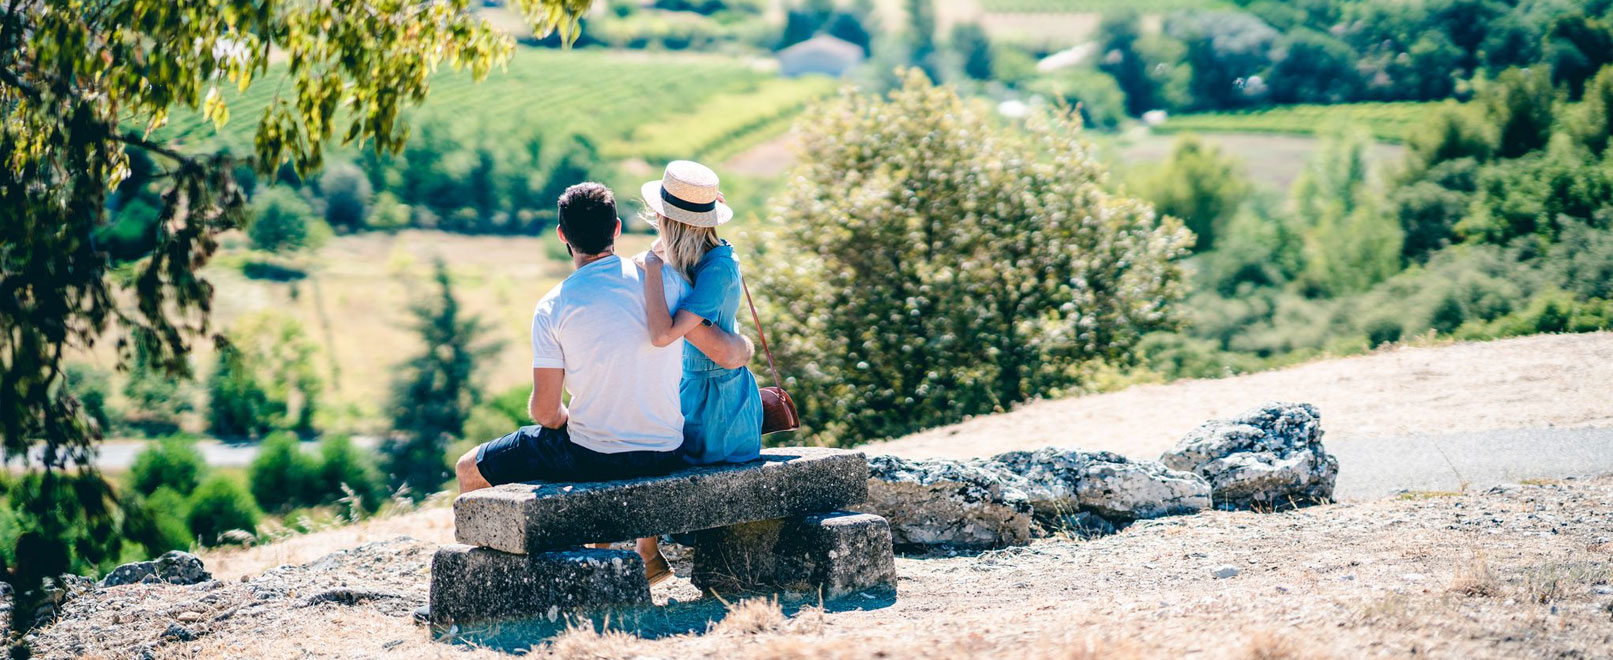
(936, 264)
(80, 85)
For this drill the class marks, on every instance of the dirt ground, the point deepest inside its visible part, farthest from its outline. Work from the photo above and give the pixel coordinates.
(1521, 571)
(1529, 382)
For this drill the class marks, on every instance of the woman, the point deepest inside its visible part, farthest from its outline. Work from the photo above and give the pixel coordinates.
(722, 408)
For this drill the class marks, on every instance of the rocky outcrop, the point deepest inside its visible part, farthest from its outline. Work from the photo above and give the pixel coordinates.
(1013, 497)
(1105, 484)
(173, 567)
(943, 502)
(1270, 456)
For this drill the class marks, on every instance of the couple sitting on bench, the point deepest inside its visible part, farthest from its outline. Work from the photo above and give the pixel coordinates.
(642, 403)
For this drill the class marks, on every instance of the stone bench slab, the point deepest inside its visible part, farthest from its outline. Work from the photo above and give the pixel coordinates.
(473, 586)
(834, 554)
(535, 517)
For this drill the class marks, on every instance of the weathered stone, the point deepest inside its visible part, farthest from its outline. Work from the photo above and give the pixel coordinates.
(1059, 482)
(473, 586)
(541, 516)
(942, 502)
(173, 567)
(827, 554)
(1270, 456)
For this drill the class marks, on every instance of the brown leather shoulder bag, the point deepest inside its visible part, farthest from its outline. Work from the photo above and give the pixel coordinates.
(778, 409)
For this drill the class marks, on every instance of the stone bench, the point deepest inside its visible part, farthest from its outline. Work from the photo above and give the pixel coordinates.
(770, 525)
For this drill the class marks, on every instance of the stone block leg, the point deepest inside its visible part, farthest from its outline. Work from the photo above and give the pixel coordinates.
(838, 553)
(474, 586)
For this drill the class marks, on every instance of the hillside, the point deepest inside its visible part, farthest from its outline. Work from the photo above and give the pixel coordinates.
(1520, 571)
(1528, 382)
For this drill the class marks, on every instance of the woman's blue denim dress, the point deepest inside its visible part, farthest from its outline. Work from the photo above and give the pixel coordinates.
(722, 409)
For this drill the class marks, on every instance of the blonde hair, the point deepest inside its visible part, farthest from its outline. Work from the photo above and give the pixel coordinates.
(682, 245)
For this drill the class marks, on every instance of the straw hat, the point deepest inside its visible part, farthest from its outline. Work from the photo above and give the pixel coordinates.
(687, 192)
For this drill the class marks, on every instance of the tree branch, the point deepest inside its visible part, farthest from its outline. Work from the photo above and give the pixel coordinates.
(137, 141)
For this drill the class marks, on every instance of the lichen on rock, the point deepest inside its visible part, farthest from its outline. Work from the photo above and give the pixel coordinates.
(1270, 456)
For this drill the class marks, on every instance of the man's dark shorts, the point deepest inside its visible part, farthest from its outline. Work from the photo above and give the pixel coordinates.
(535, 453)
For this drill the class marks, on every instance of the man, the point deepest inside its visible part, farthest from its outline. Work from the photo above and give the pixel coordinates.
(590, 337)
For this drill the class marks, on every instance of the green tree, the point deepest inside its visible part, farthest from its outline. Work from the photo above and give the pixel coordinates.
(156, 399)
(346, 192)
(342, 463)
(971, 265)
(1312, 67)
(80, 85)
(1523, 107)
(219, 505)
(172, 462)
(921, 37)
(1577, 46)
(264, 379)
(1119, 33)
(280, 221)
(971, 41)
(282, 476)
(1199, 185)
(1591, 122)
(435, 391)
(1351, 243)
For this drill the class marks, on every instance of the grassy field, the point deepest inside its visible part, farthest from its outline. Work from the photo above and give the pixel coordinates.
(355, 306)
(1387, 121)
(630, 103)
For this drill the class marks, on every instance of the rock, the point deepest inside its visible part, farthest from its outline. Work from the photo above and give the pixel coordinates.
(178, 633)
(173, 567)
(1603, 589)
(1107, 484)
(1270, 456)
(829, 555)
(1225, 571)
(943, 502)
(473, 586)
(347, 596)
(529, 518)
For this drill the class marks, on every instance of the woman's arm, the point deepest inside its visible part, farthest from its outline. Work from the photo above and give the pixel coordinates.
(664, 328)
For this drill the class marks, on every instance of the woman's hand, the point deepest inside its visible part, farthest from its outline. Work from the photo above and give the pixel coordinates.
(652, 261)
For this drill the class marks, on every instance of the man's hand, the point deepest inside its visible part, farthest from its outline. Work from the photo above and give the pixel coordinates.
(728, 350)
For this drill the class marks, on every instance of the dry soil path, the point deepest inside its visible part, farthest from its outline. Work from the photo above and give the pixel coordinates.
(1420, 418)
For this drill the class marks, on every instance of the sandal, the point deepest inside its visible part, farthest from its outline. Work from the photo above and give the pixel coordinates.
(657, 570)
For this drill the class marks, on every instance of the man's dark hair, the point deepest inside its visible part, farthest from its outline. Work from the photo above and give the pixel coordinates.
(588, 217)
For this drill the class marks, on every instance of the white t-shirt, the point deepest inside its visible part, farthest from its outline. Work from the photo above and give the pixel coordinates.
(624, 390)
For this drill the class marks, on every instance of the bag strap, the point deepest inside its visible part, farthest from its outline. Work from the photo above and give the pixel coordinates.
(758, 319)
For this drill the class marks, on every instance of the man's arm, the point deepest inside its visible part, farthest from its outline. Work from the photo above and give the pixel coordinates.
(545, 406)
(725, 348)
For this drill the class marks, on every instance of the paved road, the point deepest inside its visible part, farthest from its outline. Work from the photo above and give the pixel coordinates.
(117, 456)
(1370, 468)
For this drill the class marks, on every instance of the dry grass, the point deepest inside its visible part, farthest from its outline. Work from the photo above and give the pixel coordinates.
(1389, 578)
(432, 523)
(751, 616)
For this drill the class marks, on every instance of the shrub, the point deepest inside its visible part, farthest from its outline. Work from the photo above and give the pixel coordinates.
(341, 462)
(90, 386)
(281, 220)
(264, 379)
(220, 505)
(172, 462)
(282, 475)
(969, 265)
(347, 196)
(158, 521)
(1199, 185)
(1522, 104)
(1096, 95)
(970, 40)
